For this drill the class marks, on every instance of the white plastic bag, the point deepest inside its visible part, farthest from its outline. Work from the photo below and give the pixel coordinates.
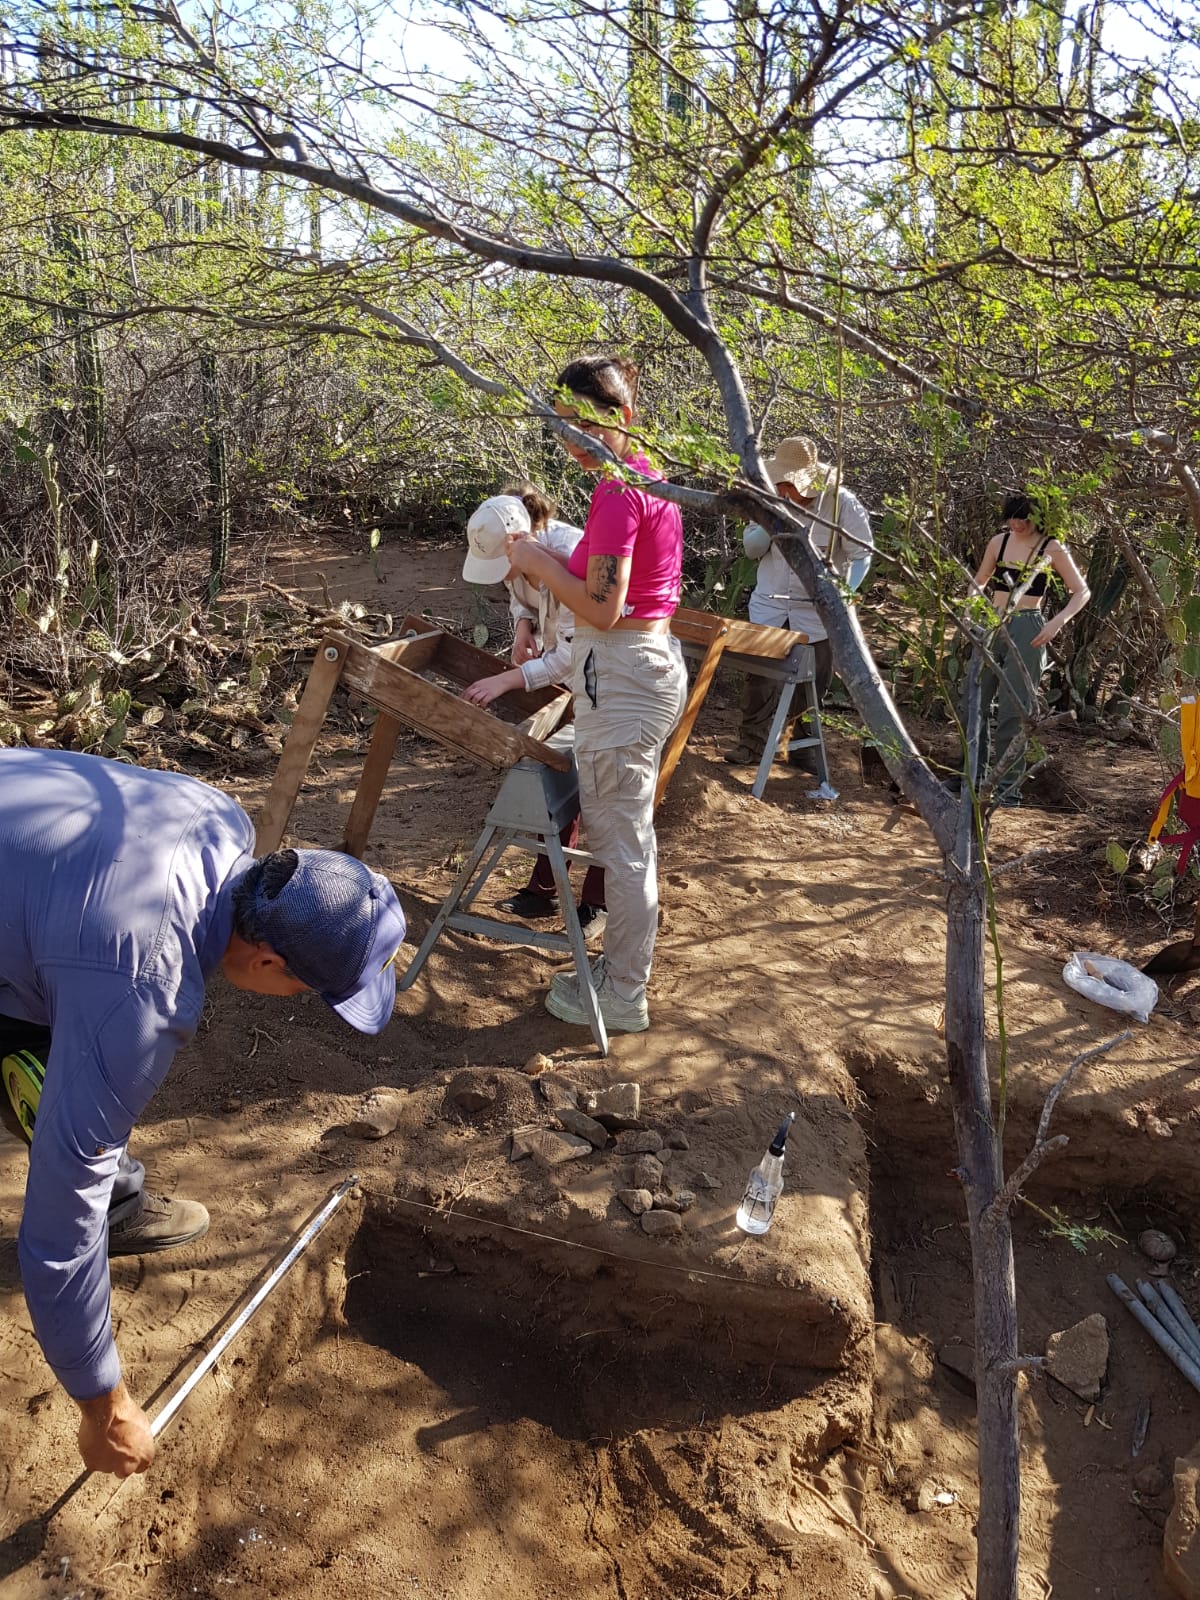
(1111, 983)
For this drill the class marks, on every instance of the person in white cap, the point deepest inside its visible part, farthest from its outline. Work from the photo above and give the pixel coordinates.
(543, 630)
(840, 530)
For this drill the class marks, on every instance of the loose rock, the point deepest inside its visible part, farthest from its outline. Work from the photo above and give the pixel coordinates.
(578, 1122)
(659, 1224)
(678, 1140)
(231, 1103)
(537, 1063)
(705, 1180)
(1158, 1246)
(377, 1115)
(681, 1200)
(1078, 1356)
(638, 1201)
(1181, 1536)
(617, 1107)
(548, 1145)
(1150, 1481)
(647, 1173)
(634, 1144)
(926, 1497)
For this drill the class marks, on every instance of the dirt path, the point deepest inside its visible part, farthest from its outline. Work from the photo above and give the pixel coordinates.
(518, 1390)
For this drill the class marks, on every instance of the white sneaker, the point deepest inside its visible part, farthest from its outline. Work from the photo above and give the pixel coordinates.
(620, 1016)
(567, 981)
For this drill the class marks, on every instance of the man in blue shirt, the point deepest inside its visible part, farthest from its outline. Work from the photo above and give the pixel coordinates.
(123, 891)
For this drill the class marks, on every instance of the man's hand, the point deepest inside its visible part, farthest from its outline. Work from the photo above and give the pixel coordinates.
(114, 1434)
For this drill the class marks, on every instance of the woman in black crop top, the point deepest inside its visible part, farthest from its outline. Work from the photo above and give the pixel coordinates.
(1014, 574)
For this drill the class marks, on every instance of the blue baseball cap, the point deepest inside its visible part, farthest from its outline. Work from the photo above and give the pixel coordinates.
(337, 924)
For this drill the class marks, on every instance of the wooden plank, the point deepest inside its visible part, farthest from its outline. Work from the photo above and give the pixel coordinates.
(441, 715)
(747, 638)
(550, 718)
(466, 663)
(415, 654)
(697, 627)
(370, 784)
(753, 639)
(697, 697)
(323, 678)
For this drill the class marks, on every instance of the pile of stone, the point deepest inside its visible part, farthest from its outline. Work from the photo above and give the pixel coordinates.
(609, 1120)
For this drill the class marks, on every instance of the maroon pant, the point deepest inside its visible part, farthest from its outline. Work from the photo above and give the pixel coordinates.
(541, 879)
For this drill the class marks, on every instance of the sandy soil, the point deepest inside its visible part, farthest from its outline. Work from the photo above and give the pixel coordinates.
(484, 1376)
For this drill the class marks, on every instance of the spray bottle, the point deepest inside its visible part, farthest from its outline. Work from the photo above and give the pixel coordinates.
(765, 1184)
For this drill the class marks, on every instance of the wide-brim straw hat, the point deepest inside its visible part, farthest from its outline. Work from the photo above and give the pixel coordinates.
(797, 461)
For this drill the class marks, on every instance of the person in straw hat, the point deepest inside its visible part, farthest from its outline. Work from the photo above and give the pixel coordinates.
(841, 533)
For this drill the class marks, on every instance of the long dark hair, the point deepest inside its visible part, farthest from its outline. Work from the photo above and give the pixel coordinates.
(609, 382)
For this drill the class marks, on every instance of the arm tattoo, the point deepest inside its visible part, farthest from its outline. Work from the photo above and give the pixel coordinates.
(604, 580)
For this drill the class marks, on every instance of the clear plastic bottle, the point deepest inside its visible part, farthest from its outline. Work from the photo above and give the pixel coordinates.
(764, 1185)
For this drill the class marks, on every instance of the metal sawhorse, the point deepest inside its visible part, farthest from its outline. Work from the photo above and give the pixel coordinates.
(780, 654)
(797, 670)
(534, 805)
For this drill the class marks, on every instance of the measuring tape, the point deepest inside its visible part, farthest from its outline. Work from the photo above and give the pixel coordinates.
(24, 1076)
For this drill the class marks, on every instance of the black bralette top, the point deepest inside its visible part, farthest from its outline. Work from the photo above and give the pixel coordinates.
(1009, 575)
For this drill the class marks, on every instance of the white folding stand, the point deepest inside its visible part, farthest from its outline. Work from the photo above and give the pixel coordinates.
(799, 669)
(534, 805)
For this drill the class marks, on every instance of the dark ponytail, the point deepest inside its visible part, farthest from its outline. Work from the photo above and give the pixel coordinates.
(608, 382)
(538, 504)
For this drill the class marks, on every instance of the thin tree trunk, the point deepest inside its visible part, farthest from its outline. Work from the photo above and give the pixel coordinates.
(218, 476)
(993, 1272)
(981, 1173)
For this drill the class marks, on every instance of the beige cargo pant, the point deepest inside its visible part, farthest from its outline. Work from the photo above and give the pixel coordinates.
(629, 690)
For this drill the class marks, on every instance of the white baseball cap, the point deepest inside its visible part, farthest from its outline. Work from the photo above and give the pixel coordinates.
(487, 530)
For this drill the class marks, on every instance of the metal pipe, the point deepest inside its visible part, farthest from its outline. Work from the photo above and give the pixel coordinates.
(1171, 1296)
(1159, 1308)
(1157, 1332)
(303, 1239)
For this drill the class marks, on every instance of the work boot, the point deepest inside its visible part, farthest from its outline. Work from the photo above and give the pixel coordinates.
(529, 905)
(161, 1224)
(743, 755)
(620, 1016)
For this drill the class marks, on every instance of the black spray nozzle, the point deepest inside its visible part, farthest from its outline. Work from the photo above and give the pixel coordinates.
(780, 1139)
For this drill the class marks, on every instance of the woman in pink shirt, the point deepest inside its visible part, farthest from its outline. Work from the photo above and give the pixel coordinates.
(622, 581)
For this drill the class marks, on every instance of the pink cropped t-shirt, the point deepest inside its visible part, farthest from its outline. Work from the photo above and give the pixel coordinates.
(624, 520)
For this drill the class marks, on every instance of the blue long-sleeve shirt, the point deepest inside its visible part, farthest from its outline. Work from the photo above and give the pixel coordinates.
(115, 906)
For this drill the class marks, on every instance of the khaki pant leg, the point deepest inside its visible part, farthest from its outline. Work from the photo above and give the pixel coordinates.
(618, 742)
(616, 790)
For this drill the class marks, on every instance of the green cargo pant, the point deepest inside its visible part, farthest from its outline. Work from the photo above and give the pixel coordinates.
(1007, 690)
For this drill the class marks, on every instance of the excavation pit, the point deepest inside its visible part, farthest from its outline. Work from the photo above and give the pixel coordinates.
(413, 1416)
